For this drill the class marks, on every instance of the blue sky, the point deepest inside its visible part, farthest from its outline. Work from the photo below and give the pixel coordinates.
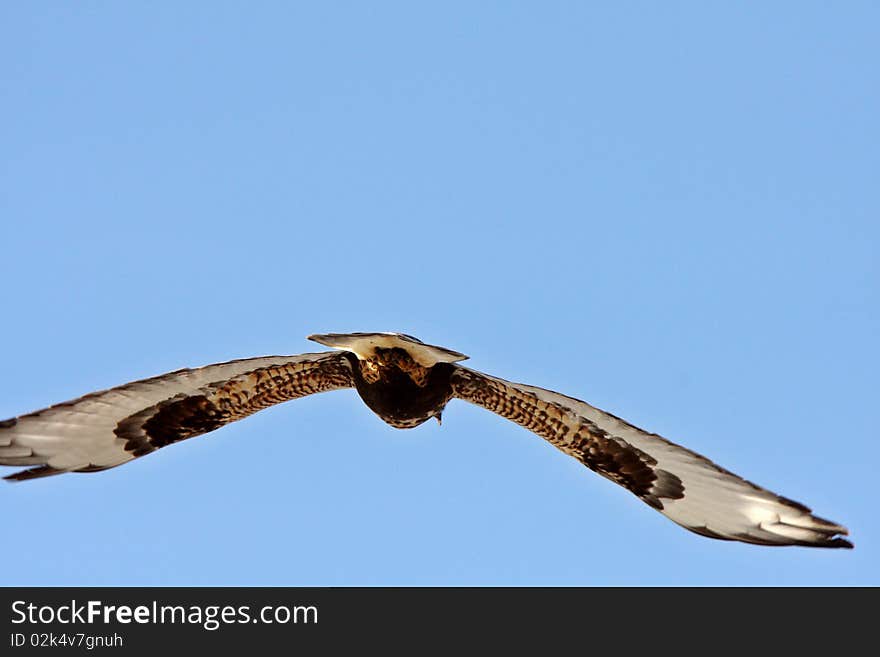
(666, 209)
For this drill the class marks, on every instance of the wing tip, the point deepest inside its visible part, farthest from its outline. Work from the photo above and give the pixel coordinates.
(826, 532)
(824, 541)
(49, 471)
(33, 473)
(832, 535)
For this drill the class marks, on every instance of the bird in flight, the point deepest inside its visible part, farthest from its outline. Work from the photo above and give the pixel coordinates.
(405, 382)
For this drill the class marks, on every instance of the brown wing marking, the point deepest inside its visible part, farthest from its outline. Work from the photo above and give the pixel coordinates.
(187, 416)
(576, 436)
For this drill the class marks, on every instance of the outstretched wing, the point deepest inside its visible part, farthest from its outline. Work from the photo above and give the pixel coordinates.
(687, 488)
(107, 428)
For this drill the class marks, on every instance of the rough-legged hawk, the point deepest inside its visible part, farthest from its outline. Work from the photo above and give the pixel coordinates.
(405, 382)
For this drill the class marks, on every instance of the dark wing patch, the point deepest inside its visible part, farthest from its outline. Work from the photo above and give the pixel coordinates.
(110, 427)
(610, 457)
(175, 419)
(220, 403)
(686, 487)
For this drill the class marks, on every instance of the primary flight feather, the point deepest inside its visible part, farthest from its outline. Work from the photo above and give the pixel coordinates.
(405, 382)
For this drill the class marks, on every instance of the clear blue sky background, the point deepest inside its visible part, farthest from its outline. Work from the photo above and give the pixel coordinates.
(666, 209)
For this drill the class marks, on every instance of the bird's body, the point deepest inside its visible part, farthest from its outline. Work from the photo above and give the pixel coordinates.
(405, 382)
(402, 380)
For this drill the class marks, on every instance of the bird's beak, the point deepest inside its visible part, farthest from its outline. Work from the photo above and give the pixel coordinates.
(439, 421)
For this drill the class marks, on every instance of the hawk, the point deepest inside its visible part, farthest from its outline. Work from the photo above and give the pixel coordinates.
(405, 382)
